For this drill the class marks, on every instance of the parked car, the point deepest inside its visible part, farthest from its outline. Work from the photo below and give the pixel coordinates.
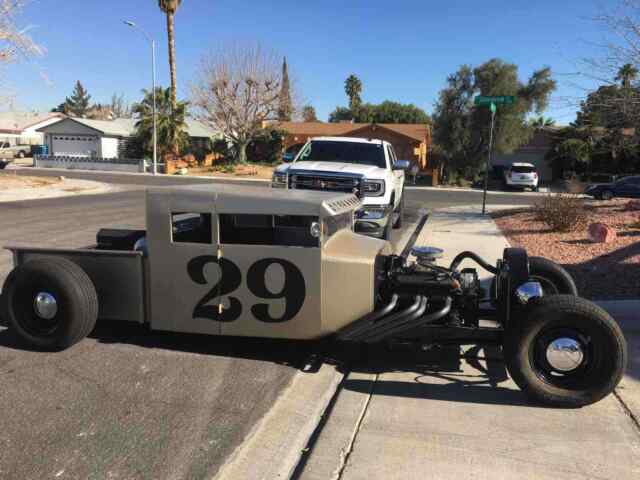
(367, 168)
(625, 187)
(14, 151)
(252, 262)
(521, 175)
(4, 163)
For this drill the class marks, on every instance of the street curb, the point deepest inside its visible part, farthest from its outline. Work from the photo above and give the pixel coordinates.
(139, 174)
(477, 190)
(274, 446)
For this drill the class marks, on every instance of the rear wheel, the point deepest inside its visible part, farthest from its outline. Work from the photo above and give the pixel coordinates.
(21, 154)
(51, 303)
(567, 352)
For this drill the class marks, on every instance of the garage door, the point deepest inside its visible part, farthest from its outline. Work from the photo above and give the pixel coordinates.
(75, 145)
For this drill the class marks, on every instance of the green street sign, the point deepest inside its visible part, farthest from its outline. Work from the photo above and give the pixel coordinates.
(493, 107)
(499, 100)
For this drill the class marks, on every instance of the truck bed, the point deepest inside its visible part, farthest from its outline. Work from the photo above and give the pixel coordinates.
(118, 276)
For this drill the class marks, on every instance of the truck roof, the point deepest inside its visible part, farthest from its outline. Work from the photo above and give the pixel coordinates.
(260, 200)
(375, 141)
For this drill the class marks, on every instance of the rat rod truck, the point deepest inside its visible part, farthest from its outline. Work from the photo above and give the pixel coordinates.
(257, 262)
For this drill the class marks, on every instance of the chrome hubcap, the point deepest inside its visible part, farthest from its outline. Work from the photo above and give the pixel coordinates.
(565, 354)
(45, 305)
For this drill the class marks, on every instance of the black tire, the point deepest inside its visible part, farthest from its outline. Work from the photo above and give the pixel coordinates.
(597, 336)
(518, 262)
(75, 296)
(606, 195)
(4, 312)
(400, 212)
(535, 189)
(21, 154)
(553, 278)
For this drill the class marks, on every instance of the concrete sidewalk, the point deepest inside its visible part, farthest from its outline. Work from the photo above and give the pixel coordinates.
(460, 416)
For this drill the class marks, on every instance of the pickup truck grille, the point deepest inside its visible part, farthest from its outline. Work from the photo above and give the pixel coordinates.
(329, 183)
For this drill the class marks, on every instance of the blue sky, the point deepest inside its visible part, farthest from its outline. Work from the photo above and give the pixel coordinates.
(402, 50)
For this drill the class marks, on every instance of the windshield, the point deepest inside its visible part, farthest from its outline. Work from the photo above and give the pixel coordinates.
(344, 152)
(521, 169)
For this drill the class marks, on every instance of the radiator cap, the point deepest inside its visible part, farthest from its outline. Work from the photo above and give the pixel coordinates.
(425, 254)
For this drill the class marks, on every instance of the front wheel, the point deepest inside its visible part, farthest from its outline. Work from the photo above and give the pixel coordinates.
(567, 352)
(552, 277)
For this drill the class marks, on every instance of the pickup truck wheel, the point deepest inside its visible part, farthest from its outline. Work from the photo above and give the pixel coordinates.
(567, 352)
(21, 154)
(552, 277)
(400, 213)
(51, 303)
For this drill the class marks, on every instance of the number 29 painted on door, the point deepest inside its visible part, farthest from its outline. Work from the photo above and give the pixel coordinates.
(293, 290)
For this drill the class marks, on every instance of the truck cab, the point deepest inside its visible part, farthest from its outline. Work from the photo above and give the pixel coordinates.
(368, 168)
(225, 260)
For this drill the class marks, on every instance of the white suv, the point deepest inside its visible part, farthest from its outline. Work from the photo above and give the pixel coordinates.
(367, 168)
(521, 175)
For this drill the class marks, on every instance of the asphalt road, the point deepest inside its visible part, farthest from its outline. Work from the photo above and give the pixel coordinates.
(126, 403)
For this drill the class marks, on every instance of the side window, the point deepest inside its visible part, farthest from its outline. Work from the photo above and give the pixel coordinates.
(283, 230)
(191, 228)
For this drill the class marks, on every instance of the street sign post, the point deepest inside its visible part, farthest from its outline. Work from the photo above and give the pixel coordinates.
(482, 100)
(491, 102)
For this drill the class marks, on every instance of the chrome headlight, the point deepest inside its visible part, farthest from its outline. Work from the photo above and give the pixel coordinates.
(373, 188)
(279, 179)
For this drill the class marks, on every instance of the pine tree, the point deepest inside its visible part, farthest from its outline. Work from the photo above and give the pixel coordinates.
(78, 104)
(285, 108)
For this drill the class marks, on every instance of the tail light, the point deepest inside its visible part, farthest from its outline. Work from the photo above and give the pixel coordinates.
(535, 175)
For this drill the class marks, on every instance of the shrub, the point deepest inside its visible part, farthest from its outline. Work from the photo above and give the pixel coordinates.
(561, 212)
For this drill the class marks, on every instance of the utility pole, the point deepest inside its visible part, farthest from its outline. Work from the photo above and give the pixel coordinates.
(153, 90)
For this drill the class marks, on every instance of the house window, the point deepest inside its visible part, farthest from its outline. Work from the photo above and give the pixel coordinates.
(191, 228)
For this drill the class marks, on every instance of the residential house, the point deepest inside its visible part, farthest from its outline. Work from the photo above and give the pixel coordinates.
(533, 152)
(81, 137)
(21, 128)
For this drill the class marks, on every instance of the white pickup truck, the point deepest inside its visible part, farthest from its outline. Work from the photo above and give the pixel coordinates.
(14, 151)
(367, 168)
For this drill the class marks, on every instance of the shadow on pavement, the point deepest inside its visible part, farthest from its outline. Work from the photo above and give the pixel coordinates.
(442, 373)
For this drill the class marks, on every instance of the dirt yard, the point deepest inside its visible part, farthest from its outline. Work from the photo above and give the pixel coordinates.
(602, 271)
(10, 180)
(258, 171)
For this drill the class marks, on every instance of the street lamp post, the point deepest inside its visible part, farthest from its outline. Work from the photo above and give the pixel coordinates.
(153, 90)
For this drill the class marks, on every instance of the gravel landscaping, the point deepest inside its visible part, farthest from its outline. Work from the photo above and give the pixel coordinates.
(11, 180)
(603, 271)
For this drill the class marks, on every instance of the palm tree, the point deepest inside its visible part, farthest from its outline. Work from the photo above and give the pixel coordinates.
(171, 122)
(541, 122)
(353, 89)
(170, 7)
(627, 74)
